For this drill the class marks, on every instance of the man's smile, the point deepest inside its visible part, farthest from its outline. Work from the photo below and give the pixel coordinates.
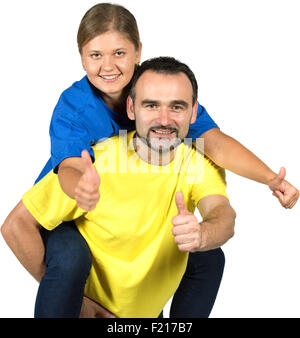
(163, 132)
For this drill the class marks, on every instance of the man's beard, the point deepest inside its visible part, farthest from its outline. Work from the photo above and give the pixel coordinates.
(154, 143)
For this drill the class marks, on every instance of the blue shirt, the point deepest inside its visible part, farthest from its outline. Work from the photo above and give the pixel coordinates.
(81, 118)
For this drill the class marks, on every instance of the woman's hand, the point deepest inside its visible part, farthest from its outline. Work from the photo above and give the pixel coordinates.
(87, 190)
(283, 190)
(80, 180)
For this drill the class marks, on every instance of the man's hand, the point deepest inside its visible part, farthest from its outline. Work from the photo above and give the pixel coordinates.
(87, 190)
(186, 230)
(91, 309)
(283, 190)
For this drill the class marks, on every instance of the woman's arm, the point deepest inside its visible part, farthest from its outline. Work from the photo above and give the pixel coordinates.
(228, 153)
(73, 127)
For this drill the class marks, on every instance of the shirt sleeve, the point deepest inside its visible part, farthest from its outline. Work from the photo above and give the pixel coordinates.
(69, 134)
(202, 124)
(49, 205)
(210, 179)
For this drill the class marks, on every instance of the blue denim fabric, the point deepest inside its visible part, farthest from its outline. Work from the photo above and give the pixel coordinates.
(68, 262)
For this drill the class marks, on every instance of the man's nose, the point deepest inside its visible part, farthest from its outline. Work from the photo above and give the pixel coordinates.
(164, 117)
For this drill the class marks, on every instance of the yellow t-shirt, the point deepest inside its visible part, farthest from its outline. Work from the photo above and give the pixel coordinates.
(136, 265)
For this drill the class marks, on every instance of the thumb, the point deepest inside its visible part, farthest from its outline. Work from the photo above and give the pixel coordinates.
(275, 184)
(86, 158)
(180, 203)
(281, 174)
(90, 171)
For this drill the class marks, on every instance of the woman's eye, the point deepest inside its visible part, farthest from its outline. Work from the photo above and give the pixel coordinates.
(95, 55)
(119, 53)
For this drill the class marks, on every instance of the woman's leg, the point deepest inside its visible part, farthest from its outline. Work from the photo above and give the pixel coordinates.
(199, 286)
(68, 263)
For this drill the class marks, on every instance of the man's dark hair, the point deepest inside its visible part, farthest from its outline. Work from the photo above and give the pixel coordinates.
(164, 65)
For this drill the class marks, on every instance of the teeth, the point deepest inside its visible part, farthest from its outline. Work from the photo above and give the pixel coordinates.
(111, 77)
(162, 132)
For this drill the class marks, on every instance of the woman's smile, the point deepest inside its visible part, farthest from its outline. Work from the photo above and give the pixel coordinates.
(110, 78)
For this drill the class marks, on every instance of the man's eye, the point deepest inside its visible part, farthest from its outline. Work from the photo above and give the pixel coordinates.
(177, 107)
(151, 106)
(119, 53)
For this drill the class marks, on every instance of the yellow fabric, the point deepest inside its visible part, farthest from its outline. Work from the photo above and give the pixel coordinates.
(136, 265)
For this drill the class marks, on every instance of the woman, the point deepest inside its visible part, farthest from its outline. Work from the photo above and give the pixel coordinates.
(94, 108)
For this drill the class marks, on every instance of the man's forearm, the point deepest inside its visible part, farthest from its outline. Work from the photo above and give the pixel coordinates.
(217, 228)
(228, 153)
(22, 235)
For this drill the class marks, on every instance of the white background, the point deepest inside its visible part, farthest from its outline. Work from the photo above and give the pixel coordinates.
(245, 55)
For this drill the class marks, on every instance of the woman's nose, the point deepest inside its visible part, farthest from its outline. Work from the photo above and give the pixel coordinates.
(107, 64)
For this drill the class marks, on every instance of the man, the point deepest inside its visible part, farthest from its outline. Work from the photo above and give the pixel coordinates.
(143, 228)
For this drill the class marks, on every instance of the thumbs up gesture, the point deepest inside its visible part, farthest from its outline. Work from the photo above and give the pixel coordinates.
(186, 230)
(283, 190)
(87, 190)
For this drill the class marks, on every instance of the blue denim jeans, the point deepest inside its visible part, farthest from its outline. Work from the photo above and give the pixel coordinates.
(198, 289)
(68, 262)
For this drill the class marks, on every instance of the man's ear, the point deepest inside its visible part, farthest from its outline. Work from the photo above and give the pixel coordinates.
(194, 114)
(130, 108)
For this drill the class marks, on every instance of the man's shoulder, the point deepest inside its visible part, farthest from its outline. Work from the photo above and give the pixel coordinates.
(198, 168)
(122, 141)
(191, 153)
